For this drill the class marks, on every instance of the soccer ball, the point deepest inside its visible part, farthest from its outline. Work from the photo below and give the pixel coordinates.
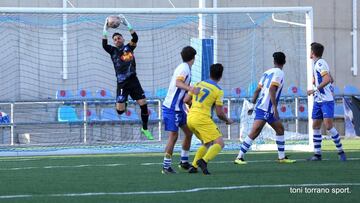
(113, 21)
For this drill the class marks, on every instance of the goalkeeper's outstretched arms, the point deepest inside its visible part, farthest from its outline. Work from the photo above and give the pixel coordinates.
(108, 48)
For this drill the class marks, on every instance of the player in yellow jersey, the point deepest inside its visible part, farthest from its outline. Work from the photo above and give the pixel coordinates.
(200, 121)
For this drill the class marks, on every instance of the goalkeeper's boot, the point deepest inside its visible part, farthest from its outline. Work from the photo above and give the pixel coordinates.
(193, 169)
(342, 156)
(168, 171)
(316, 157)
(240, 161)
(203, 165)
(147, 134)
(184, 165)
(286, 160)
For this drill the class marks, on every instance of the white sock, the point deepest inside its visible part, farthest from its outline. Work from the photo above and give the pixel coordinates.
(184, 156)
(336, 138)
(245, 146)
(317, 138)
(280, 142)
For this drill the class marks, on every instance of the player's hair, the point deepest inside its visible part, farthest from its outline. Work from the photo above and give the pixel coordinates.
(116, 34)
(279, 58)
(317, 49)
(188, 53)
(216, 71)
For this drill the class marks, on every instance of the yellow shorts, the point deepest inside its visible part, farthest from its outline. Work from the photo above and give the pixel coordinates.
(203, 127)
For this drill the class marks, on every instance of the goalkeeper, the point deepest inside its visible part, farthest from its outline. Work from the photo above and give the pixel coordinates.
(125, 69)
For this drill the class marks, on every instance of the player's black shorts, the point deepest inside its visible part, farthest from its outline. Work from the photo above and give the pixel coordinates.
(131, 87)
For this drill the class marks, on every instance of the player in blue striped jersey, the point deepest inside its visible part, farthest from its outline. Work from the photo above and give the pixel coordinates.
(174, 111)
(323, 109)
(269, 89)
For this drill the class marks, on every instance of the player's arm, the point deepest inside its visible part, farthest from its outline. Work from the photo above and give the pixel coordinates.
(272, 92)
(108, 48)
(222, 115)
(326, 79)
(187, 99)
(181, 84)
(275, 84)
(219, 109)
(134, 36)
(331, 78)
(255, 96)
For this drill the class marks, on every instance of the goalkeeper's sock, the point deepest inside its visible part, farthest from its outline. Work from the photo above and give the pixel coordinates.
(184, 156)
(167, 161)
(245, 146)
(317, 141)
(336, 138)
(199, 155)
(213, 151)
(280, 142)
(144, 116)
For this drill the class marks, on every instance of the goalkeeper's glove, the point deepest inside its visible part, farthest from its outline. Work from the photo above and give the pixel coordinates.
(125, 22)
(251, 108)
(105, 30)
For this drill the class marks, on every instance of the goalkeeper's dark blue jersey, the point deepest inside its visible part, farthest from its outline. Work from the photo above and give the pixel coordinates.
(123, 58)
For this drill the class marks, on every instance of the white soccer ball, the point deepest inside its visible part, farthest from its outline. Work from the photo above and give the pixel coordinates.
(114, 21)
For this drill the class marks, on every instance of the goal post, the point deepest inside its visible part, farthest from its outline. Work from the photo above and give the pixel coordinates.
(50, 49)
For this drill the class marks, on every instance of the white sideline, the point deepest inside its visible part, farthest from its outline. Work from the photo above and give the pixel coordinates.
(239, 187)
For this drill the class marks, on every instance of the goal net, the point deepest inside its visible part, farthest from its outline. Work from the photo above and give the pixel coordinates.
(53, 58)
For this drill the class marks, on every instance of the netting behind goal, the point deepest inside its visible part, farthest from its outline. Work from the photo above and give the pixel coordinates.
(43, 54)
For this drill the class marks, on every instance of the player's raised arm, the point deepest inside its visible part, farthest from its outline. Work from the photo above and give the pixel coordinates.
(105, 29)
(108, 48)
(134, 36)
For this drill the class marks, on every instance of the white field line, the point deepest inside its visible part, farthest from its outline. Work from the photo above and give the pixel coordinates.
(20, 159)
(51, 167)
(239, 187)
(142, 164)
(252, 161)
